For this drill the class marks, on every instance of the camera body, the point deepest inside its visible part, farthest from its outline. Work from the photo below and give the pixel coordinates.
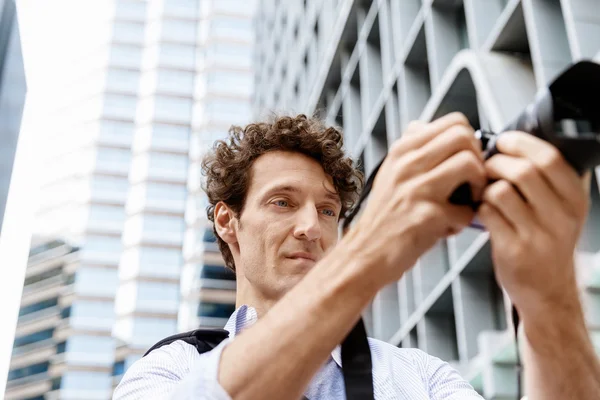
(566, 114)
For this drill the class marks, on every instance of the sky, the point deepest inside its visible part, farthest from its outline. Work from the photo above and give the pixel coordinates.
(52, 34)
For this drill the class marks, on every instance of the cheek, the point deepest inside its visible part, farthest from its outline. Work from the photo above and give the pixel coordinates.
(330, 238)
(265, 234)
(275, 235)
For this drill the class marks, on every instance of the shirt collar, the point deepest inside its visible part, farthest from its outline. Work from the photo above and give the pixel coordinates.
(246, 316)
(241, 319)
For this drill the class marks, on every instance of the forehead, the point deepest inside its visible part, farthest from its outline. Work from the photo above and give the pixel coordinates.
(279, 167)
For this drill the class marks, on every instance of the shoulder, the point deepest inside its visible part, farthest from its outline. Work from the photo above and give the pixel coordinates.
(438, 378)
(412, 358)
(177, 355)
(405, 367)
(160, 369)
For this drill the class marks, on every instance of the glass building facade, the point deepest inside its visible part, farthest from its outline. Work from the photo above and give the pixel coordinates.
(12, 95)
(373, 66)
(123, 253)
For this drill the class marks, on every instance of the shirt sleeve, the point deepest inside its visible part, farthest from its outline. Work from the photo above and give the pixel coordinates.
(446, 384)
(175, 371)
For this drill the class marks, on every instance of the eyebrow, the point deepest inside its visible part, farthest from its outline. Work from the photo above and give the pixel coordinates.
(292, 189)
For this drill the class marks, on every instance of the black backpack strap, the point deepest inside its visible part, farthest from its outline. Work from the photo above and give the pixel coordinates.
(357, 366)
(202, 339)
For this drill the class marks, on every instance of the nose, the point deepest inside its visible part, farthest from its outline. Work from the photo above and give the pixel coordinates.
(308, 226)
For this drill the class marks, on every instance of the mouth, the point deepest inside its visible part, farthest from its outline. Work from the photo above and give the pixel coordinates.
(303, 256)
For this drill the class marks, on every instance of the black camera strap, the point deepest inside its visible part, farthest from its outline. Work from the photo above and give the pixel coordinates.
(357, 365)
(515, 321)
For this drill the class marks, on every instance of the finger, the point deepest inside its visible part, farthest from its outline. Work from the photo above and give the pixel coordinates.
(503, 196)
(558, 172)
(458, 217)
(414, 127)
(531, 184)
(419, 133)
(445, 122)
(451, 141)
(465, 166)
(494, 221)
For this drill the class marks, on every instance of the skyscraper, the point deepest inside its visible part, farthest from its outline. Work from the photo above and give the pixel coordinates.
(12, 95)
(172, 279)
(373, 66)
(137, 102)
(223, 98)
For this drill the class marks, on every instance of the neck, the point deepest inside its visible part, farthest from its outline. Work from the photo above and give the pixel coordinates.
(248, 295)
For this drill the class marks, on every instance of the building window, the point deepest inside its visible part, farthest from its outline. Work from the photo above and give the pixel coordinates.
(172, 109)
(179, 82)
(165, 191)
(28, 371)
(105, 185)
(216, 272)
(209, 236)
(45, 247)
(233, 7)
(113, 159)
(120, 106)
(126, 56)
(163, 132)
(228, 109)
(128, 32)
(102, 214)
(163, 223)
(65, 312)
(174, 163)
(229, 82)
(43, 276)
(178, 30)
(103, 245)
(70, 279)
(117, 128)
(175, 55)
(38, 306)
(33, 337)
(238, 54)
(160, 261)
(215, 310)
(56, 383)
(92, 315)
(118, 368)
(61, 347)
(129, 10)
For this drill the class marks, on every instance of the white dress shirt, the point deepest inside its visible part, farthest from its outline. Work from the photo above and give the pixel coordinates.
(177, 371)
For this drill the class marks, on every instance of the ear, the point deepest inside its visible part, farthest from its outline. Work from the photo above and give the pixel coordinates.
(225, 223)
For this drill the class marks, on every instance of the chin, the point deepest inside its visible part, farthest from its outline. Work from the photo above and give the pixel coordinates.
(287, 283)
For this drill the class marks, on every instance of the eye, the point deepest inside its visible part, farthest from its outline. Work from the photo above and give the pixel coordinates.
(329, 212)
(281, 203)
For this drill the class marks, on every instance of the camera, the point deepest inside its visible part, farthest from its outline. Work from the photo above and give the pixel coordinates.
(566, 114)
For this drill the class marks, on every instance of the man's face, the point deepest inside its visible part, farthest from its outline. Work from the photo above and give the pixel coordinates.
(289, 221)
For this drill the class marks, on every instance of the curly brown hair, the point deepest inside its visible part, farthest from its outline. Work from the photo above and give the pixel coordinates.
(227, 166)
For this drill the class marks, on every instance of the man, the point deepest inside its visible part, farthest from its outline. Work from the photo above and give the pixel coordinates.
(277, 191)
